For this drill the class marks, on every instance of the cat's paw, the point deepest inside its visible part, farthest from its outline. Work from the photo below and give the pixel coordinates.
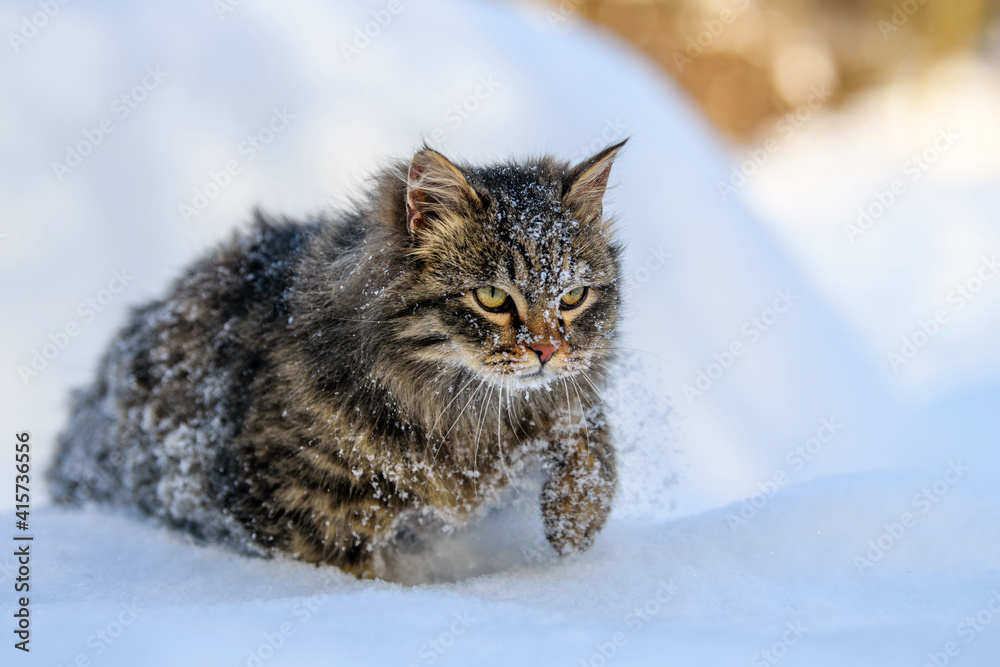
(575, 505)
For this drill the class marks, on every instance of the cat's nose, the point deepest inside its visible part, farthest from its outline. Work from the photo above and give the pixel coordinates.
(544, 352)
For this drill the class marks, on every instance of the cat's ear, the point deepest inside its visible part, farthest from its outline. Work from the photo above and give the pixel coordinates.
(436, 191)
(585, 184)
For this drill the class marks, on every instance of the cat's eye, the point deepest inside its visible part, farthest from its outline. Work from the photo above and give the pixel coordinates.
(492, 298)
(573, 298)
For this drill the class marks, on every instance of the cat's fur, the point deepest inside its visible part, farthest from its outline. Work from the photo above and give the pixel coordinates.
(309, 387)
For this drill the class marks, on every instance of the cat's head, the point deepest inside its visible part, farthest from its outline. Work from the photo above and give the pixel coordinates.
(516, 266)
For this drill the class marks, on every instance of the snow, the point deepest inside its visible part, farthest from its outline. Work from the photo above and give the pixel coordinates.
(705, 594)
(808, 436)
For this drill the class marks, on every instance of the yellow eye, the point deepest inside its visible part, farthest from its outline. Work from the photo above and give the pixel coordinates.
(491, 298)
(573, 298)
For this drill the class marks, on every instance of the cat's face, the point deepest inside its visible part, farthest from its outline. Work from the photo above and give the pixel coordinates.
(519, 270)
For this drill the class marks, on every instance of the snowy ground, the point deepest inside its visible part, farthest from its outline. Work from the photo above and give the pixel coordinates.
(803, 498)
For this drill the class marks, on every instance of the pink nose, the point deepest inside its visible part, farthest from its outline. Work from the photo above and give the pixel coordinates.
(544, 352)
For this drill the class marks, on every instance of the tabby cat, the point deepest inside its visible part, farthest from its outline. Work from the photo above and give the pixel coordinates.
(312, 388)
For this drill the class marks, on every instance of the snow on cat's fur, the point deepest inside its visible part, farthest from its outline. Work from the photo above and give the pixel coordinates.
(333, 388)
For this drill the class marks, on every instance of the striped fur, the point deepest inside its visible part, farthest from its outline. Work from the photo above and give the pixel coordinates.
(312, 387)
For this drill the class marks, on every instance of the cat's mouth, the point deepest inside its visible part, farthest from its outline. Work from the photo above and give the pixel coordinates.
(535, 380)
(540, 376)
(524, 374)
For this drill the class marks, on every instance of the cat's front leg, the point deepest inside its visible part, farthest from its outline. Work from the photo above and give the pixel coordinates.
(576, 498)
(346, 541)
(349, 533)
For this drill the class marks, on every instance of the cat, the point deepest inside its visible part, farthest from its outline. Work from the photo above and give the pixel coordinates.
(319, 388)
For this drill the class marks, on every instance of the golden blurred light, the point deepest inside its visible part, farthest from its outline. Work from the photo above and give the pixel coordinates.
(801, 68)
(747, 62)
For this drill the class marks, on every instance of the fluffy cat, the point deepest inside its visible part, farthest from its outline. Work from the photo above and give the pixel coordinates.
(320, 388)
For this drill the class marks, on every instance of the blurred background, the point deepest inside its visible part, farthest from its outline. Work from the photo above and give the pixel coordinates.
(748, 62)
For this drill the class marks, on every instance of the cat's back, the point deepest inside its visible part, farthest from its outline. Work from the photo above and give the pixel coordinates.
(179, 378)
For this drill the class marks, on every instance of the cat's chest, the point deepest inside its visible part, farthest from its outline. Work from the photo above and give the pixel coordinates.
(456, 473)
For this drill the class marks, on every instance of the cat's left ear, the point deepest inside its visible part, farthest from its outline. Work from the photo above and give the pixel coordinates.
(585, 184)
(436, 192)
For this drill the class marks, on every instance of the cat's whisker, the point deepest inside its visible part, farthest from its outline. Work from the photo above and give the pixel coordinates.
(607, 385)
(583, 413)
(482, 383)
(355, 319)
(510, 420)
(444, 439)
(458, 393)
(479, 430)
(499, 421)
(612, 411)
(637, 349)
(635, 440)
(569, 405)
(503, 464)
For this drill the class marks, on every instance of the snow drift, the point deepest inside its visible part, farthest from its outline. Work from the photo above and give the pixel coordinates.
(773, 473)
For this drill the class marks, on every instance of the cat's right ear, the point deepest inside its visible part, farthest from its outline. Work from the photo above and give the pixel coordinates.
(587, 182)
(436, 192)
